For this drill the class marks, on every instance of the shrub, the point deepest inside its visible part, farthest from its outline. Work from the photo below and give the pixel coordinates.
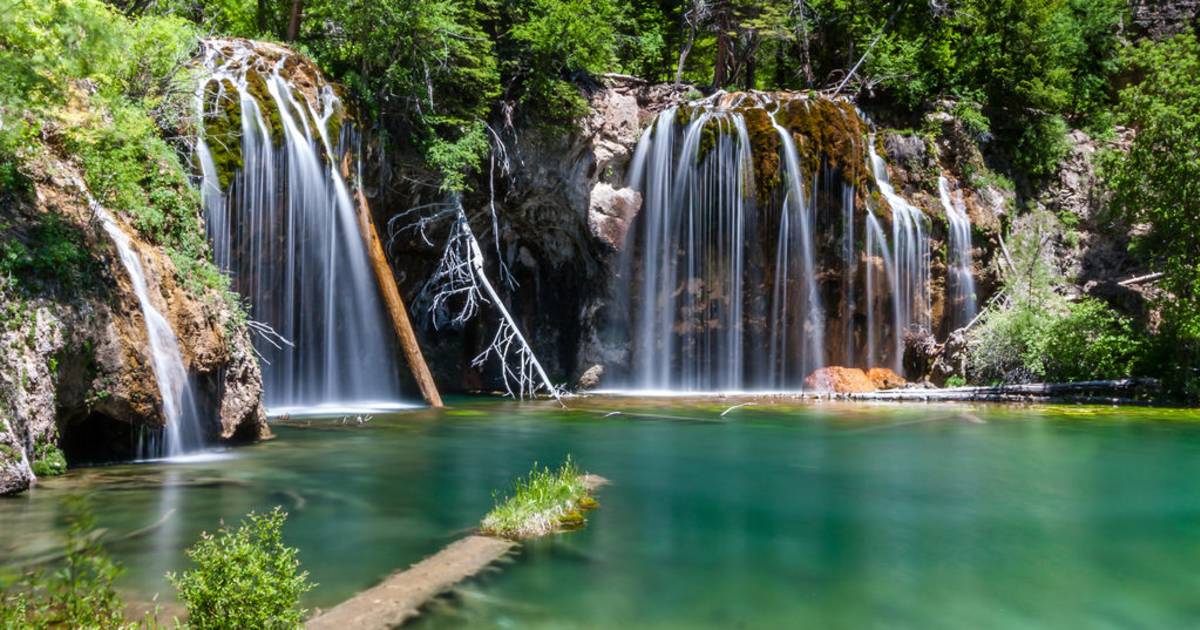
(79, 594)
(244, 577)
(48, 460)
(1091, 342)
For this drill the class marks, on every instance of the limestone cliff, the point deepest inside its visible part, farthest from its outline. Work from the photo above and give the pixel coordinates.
(75, 372)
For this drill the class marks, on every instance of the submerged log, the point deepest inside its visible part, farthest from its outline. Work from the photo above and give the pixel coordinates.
(393, 301)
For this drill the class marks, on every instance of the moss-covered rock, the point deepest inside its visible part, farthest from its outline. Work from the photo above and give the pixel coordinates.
(223, 128)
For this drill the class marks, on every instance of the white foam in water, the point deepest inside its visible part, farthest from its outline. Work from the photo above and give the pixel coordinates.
(203, 457)
(341, 408)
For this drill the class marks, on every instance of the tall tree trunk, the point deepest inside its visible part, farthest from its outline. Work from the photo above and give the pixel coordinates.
(751, 53)
(721, 63)
(806, 71)
(260, 17)
(293, 31)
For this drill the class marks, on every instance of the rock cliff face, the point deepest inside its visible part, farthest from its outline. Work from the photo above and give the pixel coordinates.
(1163, 18)
(564, 208)
(75, 373)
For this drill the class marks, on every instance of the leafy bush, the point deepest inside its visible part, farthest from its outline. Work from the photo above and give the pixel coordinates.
(1009, 346)
(48, 460)
(244, 577)
(1091, 342)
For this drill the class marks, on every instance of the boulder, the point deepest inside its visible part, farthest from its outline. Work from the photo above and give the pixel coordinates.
(839, 380)
(591, 378)
(610, 212)
(884, 378)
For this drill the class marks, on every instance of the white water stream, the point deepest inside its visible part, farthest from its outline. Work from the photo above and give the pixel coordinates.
(182, 432)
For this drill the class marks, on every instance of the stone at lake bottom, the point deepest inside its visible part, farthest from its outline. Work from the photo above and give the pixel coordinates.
(884, 378)
(839, 380)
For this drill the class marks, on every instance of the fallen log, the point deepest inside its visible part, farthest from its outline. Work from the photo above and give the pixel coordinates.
(1120, 391)
(391, 297)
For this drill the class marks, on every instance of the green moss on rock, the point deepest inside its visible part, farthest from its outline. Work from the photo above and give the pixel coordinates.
(223, 128)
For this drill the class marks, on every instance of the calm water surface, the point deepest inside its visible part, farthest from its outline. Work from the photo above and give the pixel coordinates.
(775, 515)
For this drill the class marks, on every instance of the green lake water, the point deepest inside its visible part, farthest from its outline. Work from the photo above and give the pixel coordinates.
(776, 515)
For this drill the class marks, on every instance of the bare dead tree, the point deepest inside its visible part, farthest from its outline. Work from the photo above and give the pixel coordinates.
(499, 151)
(697, 14)
(460, 286)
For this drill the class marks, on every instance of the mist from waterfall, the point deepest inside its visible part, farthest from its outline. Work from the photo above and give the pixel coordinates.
(960, 290)
(285, 228)
(724, 287)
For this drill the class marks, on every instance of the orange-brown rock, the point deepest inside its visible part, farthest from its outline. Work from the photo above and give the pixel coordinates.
(839, 380)
(884, 378)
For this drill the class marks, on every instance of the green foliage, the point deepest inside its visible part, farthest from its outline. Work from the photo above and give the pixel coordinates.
(244, 577)
(1157, 183)
(48, 460)
(426, 66)
(108, 86)
(539, 503)
(1037, 334)
(956, 381)
(1091, 342)
(553, 41)
(48, 250)
(79, 594)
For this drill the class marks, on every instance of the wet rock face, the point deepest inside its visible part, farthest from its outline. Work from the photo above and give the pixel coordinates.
(75, 369)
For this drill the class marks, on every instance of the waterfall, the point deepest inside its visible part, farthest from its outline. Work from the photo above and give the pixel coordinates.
(747, 270)
(692, 337)
(960, 290)
(799, 267)
(182, 431)
(910, 261)
(284, 225)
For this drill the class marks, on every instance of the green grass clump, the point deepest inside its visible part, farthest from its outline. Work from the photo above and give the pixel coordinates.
(542, 502)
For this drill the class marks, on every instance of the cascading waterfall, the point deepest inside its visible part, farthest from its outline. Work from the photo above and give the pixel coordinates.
(796, 267)
(961, 281)
(910, 266)
(284, 225)
(699, 207)
(735, 281)
(182, 431)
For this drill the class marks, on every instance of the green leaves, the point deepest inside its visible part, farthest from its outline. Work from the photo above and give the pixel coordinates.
(244, 577)
(1157, 183)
